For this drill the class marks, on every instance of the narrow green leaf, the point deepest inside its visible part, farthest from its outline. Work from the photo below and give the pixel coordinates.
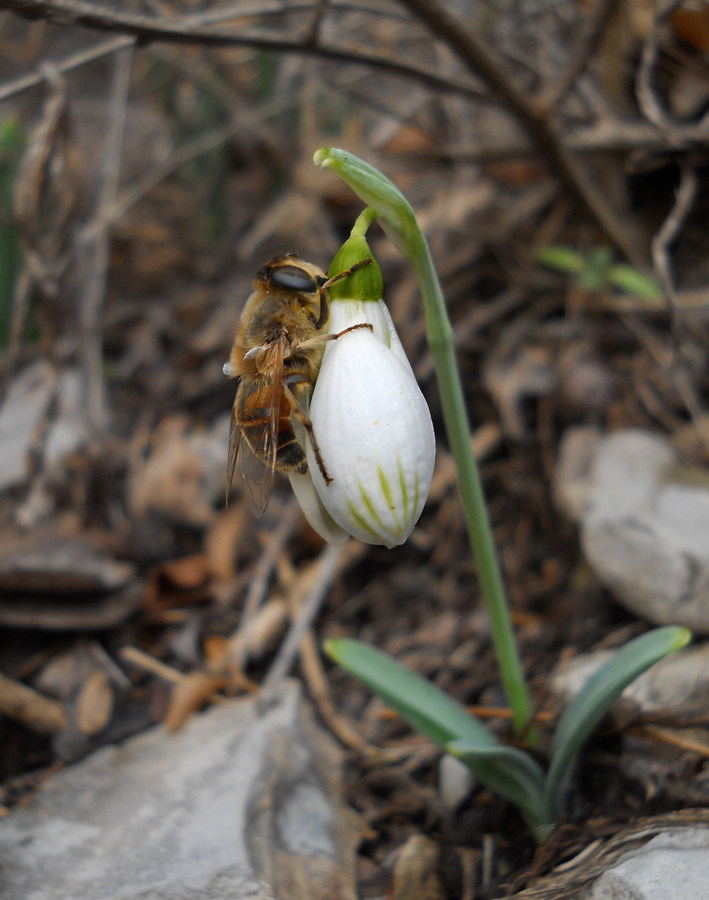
(595, 275)
(417, 701)
(635, 283)
(510, 772)
(595, 698)
(562, 259)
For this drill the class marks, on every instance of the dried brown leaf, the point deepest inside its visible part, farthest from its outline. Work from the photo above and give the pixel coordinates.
(94, 705)
(190, 695)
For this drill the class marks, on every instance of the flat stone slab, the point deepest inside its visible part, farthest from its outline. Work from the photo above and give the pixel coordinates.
(243, 802)
(672, 866)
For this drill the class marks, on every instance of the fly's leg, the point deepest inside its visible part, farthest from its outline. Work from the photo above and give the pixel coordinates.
(346, 274)
(322, 338)
(334, 337)
(306, 422)
(324, 305)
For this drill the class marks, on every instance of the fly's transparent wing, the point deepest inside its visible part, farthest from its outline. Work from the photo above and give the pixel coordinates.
(256, 456)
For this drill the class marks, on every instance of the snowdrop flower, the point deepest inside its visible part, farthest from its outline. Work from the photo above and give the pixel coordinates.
(370, 419)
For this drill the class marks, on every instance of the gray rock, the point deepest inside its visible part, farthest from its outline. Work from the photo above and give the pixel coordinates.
(644, 522)
(672, 866)
(21, 415)
(242, 803)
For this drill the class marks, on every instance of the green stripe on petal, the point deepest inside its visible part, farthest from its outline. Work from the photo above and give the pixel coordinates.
(404, 490)
(389, 496)
(371, 509)
(386, 488)
(360, 521)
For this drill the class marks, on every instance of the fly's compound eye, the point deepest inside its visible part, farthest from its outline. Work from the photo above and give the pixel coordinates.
(293, 278)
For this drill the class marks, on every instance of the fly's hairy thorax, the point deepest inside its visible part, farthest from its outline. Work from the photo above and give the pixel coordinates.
(270, 338)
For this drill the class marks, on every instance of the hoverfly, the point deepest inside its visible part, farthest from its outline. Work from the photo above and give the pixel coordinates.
(276, 357)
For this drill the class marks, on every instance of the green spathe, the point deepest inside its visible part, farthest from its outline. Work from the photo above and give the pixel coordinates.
(367, 282)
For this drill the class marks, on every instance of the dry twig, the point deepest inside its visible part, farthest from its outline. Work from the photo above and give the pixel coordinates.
(593, 32)
(538, 125)
(96, 244)
(39, 713)
(148, 29)
(236, 652)
(671, 228)
(306, 597)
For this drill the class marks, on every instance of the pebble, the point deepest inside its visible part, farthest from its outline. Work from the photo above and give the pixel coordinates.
(644, 522)
(672, 866)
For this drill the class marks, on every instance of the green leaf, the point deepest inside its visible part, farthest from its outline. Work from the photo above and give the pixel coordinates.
(595, 698)
(563, 259)
(423, 705)
(595, 275)
(635, 283)
(510, 772)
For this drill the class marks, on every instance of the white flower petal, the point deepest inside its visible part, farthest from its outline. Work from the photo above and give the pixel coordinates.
(373, 429)
(314, 511)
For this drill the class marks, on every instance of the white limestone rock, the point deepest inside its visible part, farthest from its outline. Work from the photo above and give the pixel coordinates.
(241, 803)
(672, 866)
(644, 521)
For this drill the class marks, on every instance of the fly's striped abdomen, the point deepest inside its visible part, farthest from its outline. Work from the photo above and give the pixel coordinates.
(254, 412)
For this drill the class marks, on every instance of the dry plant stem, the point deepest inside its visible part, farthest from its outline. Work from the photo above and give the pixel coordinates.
(38, 713)
(306, 596)
(190, 151)
(145, 661)
(671, 228)
(75, 61)
(95, 248)
(595, 27)
(648, 101)
(536, 122)
(316, 579)
(147, 29)
(674, 740)
(606, 135)
(236, 654)
(314, 675)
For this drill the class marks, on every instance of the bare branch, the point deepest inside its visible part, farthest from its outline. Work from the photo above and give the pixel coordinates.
(593, 34)
(150, 29)
(537, 123)
(672, 130)
(32, 79)
(96, 247)
(671, 228)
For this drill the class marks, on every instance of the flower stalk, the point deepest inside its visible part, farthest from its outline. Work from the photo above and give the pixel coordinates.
(397, 218)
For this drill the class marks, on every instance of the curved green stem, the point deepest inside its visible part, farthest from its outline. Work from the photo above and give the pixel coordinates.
(398, 221)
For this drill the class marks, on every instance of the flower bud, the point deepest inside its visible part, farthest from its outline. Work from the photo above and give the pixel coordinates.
(371, 421)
